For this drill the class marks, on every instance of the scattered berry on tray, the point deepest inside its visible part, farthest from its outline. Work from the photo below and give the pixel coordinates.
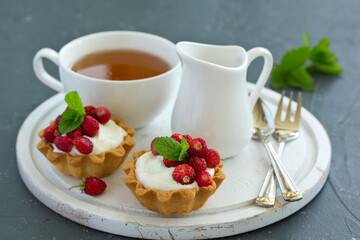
(91, 186)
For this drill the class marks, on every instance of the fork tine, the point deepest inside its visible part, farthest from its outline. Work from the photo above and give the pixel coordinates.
(298, 109)
(279, 109)
(288, 113)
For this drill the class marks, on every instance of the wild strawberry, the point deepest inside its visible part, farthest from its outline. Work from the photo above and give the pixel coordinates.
(184, 174)
(90, 110)
(57, 120)
(75, 133)
(197, 163)
(197, 147)
(63, 143)
(203, 178)
(51, 132)
(169, 163)
(83, 145)
(212, 158)
(177, 137)
(152, 147)
(102, 115)
(92, 186)
(187, 137)
(90, 126)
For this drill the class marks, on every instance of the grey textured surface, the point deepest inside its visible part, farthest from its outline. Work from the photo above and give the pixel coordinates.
(27, 26)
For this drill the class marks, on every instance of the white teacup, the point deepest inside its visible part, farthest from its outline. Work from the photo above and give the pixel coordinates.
(137, 102)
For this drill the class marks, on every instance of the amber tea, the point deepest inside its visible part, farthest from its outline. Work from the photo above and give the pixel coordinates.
(121, 64)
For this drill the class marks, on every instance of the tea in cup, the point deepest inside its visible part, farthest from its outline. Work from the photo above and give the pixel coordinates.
(135, 75)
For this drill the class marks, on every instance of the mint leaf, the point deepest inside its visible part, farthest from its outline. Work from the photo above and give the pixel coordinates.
(73, 117)
(300, 78)
(168, 147)
(306, 40)
(69, 114)
(184, 147)
(278, 77)
(74, 102)
(171, 149)
(293, 71)
(297, 77)
(323, 59)
(332, 68)
(295, 58)
(288, 72)
(321, 52)
(70, 120)
(67, 125)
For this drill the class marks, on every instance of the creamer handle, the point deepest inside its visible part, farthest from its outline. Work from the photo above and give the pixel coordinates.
(268, 64)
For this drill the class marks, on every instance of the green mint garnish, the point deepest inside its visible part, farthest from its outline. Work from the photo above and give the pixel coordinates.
(73, 100)
(323, 60)
(73, 117)
(171, 149)
(293, 69)
(184, 147)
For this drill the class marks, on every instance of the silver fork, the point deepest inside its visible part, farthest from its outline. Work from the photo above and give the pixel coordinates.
(285, 130)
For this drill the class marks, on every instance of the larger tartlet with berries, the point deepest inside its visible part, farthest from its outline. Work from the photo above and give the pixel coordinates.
(195, 184)
(58, 148)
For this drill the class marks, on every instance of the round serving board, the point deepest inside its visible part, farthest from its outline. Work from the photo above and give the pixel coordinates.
(231, 210)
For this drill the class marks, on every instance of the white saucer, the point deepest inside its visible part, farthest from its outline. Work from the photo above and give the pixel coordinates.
(231, 210)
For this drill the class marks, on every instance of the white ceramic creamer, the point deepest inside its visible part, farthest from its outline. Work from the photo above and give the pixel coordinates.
(213, 101)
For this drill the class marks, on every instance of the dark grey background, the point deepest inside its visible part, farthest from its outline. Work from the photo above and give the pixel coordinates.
(27, 26)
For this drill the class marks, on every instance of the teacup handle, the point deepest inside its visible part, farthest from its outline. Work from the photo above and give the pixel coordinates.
(40, 71)
(268, 64)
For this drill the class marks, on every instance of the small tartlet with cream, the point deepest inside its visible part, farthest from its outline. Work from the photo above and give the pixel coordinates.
(179, 180)
(86, 142)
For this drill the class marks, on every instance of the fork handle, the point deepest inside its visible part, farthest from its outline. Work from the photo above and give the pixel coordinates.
(266, 197)
(267, 194)
(288, 188)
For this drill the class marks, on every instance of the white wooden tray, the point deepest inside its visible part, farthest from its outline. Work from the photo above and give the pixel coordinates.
(231, 210)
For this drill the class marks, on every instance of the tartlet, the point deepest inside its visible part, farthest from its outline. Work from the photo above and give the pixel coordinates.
(170, 202)
(89, 165)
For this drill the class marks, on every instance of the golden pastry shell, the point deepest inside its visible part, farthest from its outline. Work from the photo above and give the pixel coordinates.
(89, 165)
(171, 202)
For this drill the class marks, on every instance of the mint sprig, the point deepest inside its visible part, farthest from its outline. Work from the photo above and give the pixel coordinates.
(297, 64)
(73, 117)
(323, 60)
(184, 147)
(171, 149)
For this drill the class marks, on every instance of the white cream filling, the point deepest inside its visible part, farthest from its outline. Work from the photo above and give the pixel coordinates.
(151, 172)
(109, 136)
